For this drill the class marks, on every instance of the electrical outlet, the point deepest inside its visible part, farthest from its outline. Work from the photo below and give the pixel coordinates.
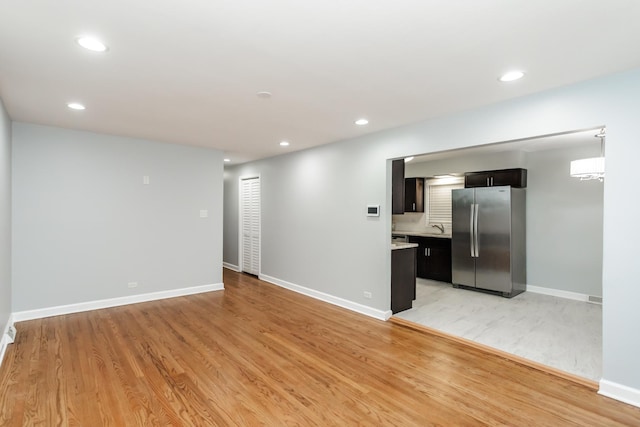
(132, 284)
(204, 213)
(11, 334)
(145, 180)
(367, 294)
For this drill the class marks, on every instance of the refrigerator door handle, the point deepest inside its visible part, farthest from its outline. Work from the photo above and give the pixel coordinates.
(475, 231)
(472, 231)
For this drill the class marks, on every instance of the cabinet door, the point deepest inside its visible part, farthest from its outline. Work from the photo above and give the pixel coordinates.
(403, 279)
(414, 195)
(397, 187)
(476, 179)
(516, 178)
(421, 256)
(439, 260)
(423, 261)
(433, 258)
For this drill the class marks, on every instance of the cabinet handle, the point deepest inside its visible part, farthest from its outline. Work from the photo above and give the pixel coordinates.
(492, 181)
(488, 182)
(414, 206)
(426, 251)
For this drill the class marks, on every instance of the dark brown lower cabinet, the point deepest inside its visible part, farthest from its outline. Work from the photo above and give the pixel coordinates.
(403, 279)
(433, 259)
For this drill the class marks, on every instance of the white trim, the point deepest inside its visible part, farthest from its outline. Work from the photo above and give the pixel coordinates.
(620, 392)
(4, 339)
(558, 293)
(350, 305)
(112, 302)
(231, 266)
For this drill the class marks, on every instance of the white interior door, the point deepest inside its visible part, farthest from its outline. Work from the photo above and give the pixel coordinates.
(250, 220)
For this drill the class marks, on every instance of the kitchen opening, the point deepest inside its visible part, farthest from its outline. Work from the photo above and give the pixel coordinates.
(504, 244)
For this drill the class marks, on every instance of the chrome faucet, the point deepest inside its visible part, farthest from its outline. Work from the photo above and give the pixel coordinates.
(439, 227)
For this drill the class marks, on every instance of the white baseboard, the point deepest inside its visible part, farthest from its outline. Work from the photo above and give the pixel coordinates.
(558, 293)
(231, 266)
(620, 392)
(4, 338)
(350, 305)
(112, 302)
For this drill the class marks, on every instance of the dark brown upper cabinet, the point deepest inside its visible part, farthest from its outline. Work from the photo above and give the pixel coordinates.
(414, 195)
(397, 187)
(516, 178)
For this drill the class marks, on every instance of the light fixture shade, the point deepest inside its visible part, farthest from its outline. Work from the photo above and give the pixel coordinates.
(585, 169)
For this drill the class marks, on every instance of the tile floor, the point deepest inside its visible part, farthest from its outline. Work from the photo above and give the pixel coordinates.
(558, 332)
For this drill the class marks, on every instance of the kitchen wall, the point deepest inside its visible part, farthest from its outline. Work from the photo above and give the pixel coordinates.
(85, 225)
(5, 219)
(564, 214)
(316, 234)
(564, 223)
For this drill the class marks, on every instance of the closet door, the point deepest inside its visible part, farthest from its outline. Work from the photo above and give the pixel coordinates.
(250, 220)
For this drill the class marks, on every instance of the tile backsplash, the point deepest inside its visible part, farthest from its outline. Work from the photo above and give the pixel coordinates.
(414, 221)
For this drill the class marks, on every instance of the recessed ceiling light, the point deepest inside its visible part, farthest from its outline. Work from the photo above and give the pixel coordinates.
(362, 122)
(76, 106)
(284, 144)
(408, 159)
(92, 44)
(511, 76)
(264, 95)
(227, 160)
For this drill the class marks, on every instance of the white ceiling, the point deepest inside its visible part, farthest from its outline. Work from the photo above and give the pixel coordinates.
(188, 72)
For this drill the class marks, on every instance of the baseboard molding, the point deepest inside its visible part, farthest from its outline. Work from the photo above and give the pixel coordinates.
(620, 392)
(558, 293)
(112, 302)
(231, 267)
(4, 338)
(340, 302)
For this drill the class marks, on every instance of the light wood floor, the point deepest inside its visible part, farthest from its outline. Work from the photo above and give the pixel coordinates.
(255, 354)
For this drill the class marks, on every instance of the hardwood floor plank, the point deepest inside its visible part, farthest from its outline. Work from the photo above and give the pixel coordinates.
(256, 354)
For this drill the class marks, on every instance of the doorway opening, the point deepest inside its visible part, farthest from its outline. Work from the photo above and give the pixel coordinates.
(564, 256)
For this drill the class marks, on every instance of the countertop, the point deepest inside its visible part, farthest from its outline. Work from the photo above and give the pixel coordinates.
(396, 246)
(421, 234)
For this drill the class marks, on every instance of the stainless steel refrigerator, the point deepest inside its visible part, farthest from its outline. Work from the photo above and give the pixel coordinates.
(488, 242)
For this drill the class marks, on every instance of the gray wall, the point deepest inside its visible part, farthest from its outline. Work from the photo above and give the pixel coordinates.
(564, 223)
(316, 234)
(5, 217)
(84, 225)
(564, 215)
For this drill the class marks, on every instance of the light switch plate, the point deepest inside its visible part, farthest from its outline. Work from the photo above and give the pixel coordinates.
(204, 213)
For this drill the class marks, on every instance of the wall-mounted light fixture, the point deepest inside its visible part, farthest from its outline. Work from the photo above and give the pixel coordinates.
(592, 168)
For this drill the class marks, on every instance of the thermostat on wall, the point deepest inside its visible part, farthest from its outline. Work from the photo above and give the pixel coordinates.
(373, 210)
